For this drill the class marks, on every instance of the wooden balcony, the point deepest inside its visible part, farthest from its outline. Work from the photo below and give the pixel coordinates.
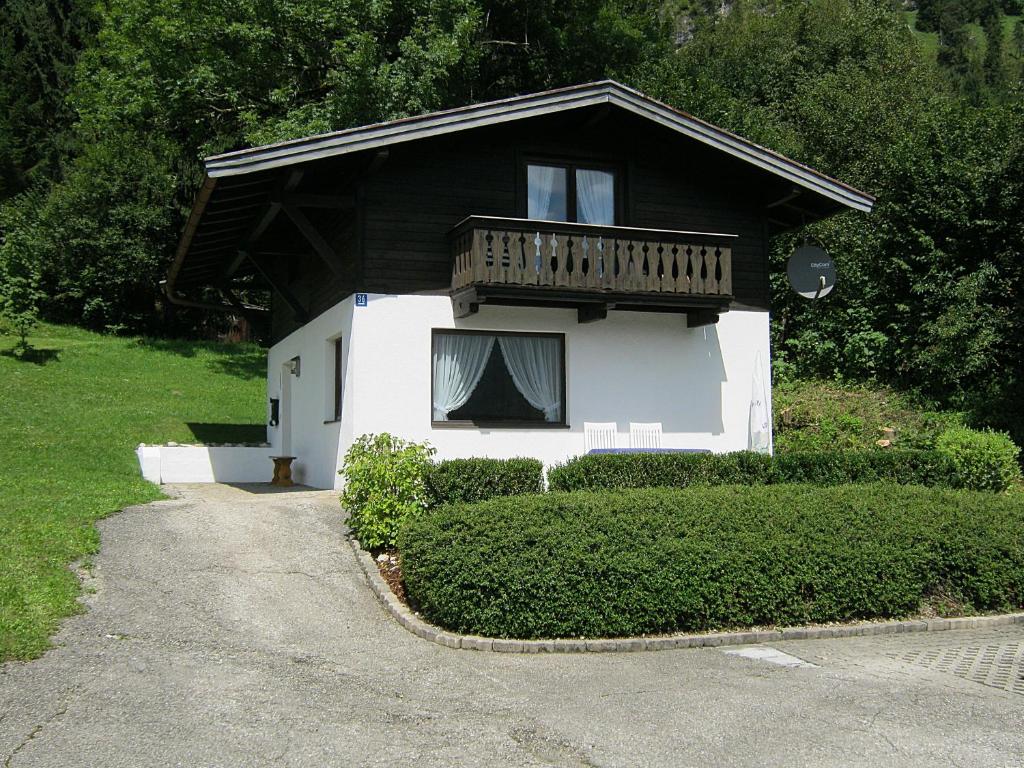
(592, 268)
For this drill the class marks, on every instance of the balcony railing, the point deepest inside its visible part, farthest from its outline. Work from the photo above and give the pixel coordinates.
(589, 258)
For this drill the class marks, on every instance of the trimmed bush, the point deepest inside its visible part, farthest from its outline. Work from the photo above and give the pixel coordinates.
(903, 466)
(680, 470)
(469, 480)
(653, 470)
(614, 563)
(984, 461)
(384, 483)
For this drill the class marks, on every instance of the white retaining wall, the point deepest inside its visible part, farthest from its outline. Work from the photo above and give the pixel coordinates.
(632, 366)
(205, 464)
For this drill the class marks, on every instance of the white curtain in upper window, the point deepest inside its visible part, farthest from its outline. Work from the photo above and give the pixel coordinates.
(595, 197)
(545, 187)
(535, 365)
(459, 362)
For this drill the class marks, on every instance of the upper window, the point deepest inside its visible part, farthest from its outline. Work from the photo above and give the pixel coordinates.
(498, 377)
(570, 193)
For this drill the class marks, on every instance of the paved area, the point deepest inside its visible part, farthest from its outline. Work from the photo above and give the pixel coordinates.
(231, 627)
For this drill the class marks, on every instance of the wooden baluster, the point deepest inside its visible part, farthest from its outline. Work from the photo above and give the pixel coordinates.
(609, 276)
(653, 282)
(635, 261)
(710, 281)
(480, 255)
(667, 282)
(561, 272)
(572, 261)
(725, 261)
(548, 253)
(517, 252)
(588, 261)
(536, 262)
(598, 264)
(695, 260)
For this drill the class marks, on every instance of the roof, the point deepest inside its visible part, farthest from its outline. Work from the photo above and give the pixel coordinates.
(382, 135)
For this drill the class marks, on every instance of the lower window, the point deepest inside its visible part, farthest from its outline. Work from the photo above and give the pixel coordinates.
(493, 377)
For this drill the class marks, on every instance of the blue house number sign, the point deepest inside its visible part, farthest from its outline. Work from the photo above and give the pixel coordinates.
(360, 299)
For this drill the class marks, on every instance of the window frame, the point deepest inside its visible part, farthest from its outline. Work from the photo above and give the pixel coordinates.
(571, 165)
(339, 390)
(500, 423)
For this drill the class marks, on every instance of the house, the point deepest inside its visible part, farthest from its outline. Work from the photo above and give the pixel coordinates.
(492, 277)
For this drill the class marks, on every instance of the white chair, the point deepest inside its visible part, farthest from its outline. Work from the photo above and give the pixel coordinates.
(598, 434)
(645, 435)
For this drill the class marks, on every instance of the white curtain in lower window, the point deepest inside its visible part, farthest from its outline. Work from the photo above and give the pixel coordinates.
(459, 362)
(535, 365)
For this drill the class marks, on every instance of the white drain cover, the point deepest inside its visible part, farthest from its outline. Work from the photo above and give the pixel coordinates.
(997, 665)
(771, 655)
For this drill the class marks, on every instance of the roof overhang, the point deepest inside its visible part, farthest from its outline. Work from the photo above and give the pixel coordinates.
(382, 135)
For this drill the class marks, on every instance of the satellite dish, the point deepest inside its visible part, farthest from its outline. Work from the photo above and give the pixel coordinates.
(811, 271)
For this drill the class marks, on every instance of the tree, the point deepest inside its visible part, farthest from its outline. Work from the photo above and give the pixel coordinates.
(19, 273)
(40, 41)
(995, 67)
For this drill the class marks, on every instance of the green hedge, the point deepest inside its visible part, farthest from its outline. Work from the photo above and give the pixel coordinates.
(904, 466)
(680, 470)
(653, 470)
(461, 480)
(661, 560)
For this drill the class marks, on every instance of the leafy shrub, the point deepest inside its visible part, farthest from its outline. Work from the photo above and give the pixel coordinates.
(984, 461)
(458, 480)
(385, 482)
(904, 466)
(680, 470)
(652, 470)
(615, 563)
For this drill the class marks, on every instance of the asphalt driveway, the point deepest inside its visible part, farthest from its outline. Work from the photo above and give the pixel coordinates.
(234, 628)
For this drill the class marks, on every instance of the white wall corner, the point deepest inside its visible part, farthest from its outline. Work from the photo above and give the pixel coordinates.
(149, 462)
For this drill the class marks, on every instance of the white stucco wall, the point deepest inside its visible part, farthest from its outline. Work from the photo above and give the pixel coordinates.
(630, 367)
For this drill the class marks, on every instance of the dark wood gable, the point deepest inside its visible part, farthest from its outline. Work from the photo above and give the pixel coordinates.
(381, 219)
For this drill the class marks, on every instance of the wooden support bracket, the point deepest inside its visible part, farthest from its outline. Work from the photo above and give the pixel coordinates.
(264, 267)
(320, 245)
(590, 313)
(695, 318)
(464, 308)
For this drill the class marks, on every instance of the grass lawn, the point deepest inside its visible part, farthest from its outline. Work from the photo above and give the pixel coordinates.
(71, 417)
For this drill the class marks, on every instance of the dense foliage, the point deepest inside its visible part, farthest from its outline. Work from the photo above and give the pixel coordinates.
(987, 461)
(469, 480)
(961, 458)
(906, 466)
(653, 470)
(385, 482)
(105, 110)
(618, 563)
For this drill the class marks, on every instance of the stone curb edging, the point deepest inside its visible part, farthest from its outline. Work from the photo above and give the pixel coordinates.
(412, 622)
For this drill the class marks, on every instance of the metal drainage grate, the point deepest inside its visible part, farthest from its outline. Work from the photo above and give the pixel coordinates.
(998, 666)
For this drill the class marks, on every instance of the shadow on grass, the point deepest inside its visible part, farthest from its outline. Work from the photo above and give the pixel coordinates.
(32, 355)
(242, 361)
(228, 433)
